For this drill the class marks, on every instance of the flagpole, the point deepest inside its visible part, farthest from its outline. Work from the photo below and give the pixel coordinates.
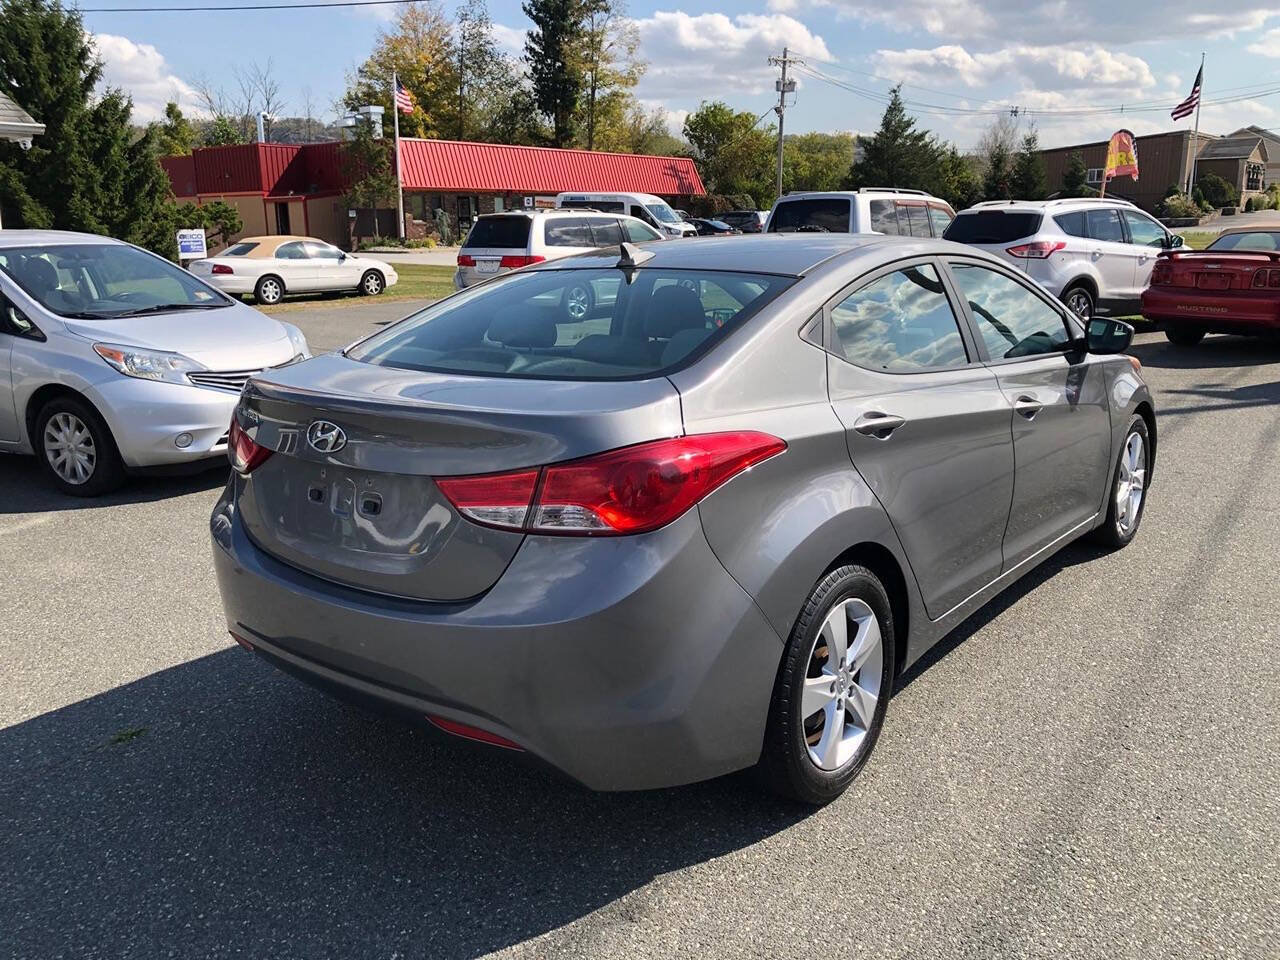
(395, 114)
(1195, 141)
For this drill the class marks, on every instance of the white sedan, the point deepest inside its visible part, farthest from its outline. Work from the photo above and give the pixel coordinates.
(270, 267)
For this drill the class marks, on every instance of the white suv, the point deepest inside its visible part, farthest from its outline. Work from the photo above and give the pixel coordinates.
(908, 213)
(498, 242)
(1095, 255)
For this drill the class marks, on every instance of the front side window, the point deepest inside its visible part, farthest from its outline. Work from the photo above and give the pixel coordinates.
(819, 214)
(322, 251)
(1013, 321)
(940, 220)
(638, 232)
(884, 217)
(94, 281)
(1105, 225)
(291, 251)
(568, 232)
(901, 323)
(1144, 231)
(574, 324)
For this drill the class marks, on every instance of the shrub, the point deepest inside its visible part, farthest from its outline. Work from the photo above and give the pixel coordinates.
(1179, 206)
(1218, 192)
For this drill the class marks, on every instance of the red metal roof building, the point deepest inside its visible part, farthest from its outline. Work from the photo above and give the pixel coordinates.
(290, 188)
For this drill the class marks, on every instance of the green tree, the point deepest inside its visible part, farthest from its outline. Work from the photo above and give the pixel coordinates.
(89, 171)
(486, 79)
(607, 61)
(221, 132)
(898, 154)
(175, 136)
(367, 167)
(816, 161)
(733, 155)
(517, 120)
(1075, 178)
(957, 180)
(551, 53)
(997, 181)
(1029, 180)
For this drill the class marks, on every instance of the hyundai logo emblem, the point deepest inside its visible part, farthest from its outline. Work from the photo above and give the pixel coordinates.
(326, 437)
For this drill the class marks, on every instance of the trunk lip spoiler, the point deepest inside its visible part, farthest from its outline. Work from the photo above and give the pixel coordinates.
(1268, 255)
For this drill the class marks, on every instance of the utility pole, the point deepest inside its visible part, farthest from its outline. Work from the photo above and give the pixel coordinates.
(784, 86)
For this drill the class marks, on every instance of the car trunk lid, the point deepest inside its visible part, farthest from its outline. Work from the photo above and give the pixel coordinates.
(367, 512)
(1209, 270)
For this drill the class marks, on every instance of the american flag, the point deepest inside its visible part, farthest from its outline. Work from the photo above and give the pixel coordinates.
(1188, 106)
(404, 99)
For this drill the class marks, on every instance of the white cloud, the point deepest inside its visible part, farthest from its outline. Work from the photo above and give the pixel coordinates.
(1268, 45)
(711, 55)
(1048, 67)
(141, 71)
(510, 40)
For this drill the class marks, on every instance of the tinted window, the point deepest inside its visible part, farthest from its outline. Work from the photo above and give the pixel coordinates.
(638, 232)
(901, 322)
(940, 220)
(1013, 321)
(604, 206)
(740, 218)
(605, 233)
(1072, 224)
(884, 217)
(1105, 225)
(238, 249)
(822, 214)
(521, 324)
(291, 251)
(992, 226)
(568, 232)
(917, 219)
(1259, 240)
(503, 232)
(1143, 230)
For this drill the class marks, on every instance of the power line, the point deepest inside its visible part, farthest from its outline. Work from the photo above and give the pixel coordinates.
(251, 6)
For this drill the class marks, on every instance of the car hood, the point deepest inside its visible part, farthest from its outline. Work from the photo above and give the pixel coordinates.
(227, 338)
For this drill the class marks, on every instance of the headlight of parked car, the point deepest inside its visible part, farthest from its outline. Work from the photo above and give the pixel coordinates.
(148, 364)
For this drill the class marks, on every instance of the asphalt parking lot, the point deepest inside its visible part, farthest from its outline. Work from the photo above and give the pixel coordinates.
(1089, 768)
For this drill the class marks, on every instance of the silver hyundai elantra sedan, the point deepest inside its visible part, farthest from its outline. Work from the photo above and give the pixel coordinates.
(115, 361)
(700, 529)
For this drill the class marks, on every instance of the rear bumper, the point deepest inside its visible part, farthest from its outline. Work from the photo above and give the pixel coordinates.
(1223, 311)
(626, 663)
(235, 283)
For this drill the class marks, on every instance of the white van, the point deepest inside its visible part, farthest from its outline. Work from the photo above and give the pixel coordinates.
(643, 206)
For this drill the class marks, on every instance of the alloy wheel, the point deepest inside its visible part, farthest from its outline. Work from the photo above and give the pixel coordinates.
(269, 291)
(1131, 484)
(372, 284)
(577, 302)
(842, 684)
(69, 446)
(1078, 303)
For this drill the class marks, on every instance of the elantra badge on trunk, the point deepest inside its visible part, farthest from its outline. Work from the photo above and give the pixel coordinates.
(326, 437)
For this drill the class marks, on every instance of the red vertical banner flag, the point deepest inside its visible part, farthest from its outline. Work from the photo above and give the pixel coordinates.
(1122, 156)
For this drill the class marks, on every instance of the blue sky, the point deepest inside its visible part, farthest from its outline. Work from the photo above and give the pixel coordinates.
(962, 60)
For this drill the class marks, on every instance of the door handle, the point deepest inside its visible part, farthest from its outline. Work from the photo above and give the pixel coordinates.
(877, 424)
(1027, 406)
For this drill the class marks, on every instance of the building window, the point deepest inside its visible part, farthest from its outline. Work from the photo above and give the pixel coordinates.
(1253, 173)
(1094, 175)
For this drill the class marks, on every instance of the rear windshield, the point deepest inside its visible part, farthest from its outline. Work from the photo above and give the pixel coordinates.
(505, 232)
(992, 226)
(820, 214)
(574, 324)
(1265, 240)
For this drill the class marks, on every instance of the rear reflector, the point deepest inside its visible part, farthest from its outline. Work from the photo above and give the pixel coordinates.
(631, 490)
(466, 260)
(516, 262)
(472, 733)
(245, 455)
(241, 640)
(1039, 250)
(221, 268)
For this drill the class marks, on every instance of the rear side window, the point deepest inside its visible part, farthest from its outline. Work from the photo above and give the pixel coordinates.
(502, 232)
(992, 226)
(605, 233)
(568, 232)
(574, 324)
(901, 323)
(1013, 321)
(917, 219)
(884, 217)
(238, 249)
(1072, 224)
(940, 220)
(819, 214)
(1105, 225)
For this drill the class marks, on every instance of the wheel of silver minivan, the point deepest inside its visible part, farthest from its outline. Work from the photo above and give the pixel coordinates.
(832, 689)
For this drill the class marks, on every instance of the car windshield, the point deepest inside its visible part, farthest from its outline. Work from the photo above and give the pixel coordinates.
(662, 212)
(96, 281)
(574, 324)
(1267, 241)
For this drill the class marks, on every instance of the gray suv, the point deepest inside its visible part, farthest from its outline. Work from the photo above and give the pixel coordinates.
(704, 527)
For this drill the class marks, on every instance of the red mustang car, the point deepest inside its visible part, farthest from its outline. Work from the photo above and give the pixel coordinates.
(1232, 286)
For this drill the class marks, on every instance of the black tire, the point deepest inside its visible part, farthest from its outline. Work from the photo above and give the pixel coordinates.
(268, 290)
(1113, 533)
(372, 283)
(1080, 301)
(1183, 336)
(107, 471)
(578, 301)
(786, 766)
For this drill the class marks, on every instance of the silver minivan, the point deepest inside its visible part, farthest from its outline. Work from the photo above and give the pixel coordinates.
(115, 361)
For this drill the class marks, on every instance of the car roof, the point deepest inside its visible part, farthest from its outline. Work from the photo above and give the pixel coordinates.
(788, 254)
(1057, 204)
(860, 192)
(558, 212)
(43, 238)
(1256, 228)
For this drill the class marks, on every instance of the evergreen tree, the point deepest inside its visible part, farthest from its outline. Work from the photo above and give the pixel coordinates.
(898, 155)
(175, 136)
(958, 182)
(551, 53)
(1029, 178)
(1075, 178)
(88, 171)
(996, 182)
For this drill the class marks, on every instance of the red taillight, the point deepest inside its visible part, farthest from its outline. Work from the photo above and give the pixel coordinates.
(245, 455)
(631, 490)
(515, 262)
(472, 733)
(222, 268)
(1038, 250)
(1161, 273)
(1267, 278)
(466, 260)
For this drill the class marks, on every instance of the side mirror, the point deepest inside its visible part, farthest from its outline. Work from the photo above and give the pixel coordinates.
(1108, 336)
(1175, 241)
(341, 255)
